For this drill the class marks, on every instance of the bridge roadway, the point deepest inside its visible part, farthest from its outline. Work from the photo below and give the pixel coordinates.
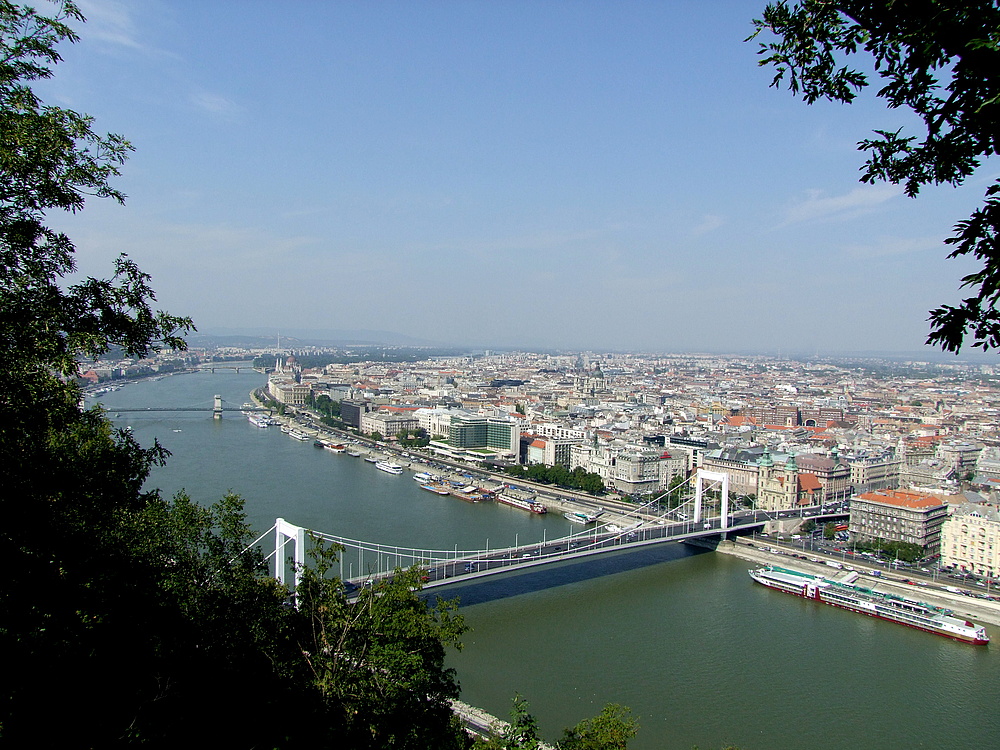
(464, 566)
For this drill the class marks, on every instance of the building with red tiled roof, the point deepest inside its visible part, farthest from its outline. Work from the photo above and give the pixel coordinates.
(899, 516)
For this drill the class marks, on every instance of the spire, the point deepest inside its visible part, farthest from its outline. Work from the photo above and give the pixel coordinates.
(765, 459)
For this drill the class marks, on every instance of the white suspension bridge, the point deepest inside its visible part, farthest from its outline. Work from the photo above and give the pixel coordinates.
(700, 515)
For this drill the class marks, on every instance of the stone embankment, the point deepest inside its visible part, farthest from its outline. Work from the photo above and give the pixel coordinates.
(978, 610)
(480, 723)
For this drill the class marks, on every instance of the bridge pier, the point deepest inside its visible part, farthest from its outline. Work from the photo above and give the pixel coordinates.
(217, 408)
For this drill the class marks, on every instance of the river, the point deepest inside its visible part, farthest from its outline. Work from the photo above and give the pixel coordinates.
(700, 654)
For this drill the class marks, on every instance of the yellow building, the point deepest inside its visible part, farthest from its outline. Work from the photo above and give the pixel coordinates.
(970, 539)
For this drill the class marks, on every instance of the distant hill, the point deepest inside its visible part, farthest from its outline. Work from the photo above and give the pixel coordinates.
(260, 338)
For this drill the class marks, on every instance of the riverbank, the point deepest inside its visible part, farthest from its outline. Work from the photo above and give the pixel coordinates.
(975, 609)
(556, 499)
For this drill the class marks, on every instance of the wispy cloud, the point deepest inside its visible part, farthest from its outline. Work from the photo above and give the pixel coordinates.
(215, 104)
(817, 207)
(709, 223)
(887, 246)
(111, 21)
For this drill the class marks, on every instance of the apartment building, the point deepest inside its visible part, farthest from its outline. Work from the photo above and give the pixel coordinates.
(970, 539)
(900, 516)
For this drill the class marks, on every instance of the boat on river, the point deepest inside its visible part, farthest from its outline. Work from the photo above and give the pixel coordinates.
(580, 517)
(882, 605)
(389, 467)
(437, 489)
(471, 494)
(523, 503)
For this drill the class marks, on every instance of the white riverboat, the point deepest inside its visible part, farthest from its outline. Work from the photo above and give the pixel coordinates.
(878, 604)
(581, 518)
(389, 467)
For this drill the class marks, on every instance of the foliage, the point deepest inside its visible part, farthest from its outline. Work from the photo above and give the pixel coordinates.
(578, 479)
(417, 438)
(675, 491)
(829, 530)
(891, 550)
(378, 660)
(328, 409)
(939, 59)
(521, 733)
(808, 526)
(609, 730)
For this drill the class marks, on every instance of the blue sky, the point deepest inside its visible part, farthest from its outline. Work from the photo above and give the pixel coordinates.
(602, 175)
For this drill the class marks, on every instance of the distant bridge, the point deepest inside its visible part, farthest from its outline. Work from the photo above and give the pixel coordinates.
(219, 406)
(237, 368)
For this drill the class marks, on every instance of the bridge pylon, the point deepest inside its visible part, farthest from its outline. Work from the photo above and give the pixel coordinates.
(283, 532)
(713, 476)
(217, 408)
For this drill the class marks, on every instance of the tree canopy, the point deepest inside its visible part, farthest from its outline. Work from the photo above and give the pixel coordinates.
(941, 60)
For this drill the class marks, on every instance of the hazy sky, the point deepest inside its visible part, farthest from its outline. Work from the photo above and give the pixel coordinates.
(540, 174)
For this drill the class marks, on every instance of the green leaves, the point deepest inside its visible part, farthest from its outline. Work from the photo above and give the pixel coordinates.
(941, 60)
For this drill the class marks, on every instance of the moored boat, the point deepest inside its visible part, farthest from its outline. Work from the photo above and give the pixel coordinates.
(581, 518)
(335, 447)
(471, 494)
(389, 467)
(882, 605)
(523, 503)
(437, 489)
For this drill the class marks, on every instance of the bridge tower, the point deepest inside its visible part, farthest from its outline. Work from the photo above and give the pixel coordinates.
(283, 532)
(217, 408)
(712, 476)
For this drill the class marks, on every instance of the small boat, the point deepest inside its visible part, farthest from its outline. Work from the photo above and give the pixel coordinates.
(371, 459)
(389, 467)
(353, 454)
(437, 489)
(581, 518)
(335, 447)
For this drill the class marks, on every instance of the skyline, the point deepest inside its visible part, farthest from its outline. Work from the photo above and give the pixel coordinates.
(567, 176)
